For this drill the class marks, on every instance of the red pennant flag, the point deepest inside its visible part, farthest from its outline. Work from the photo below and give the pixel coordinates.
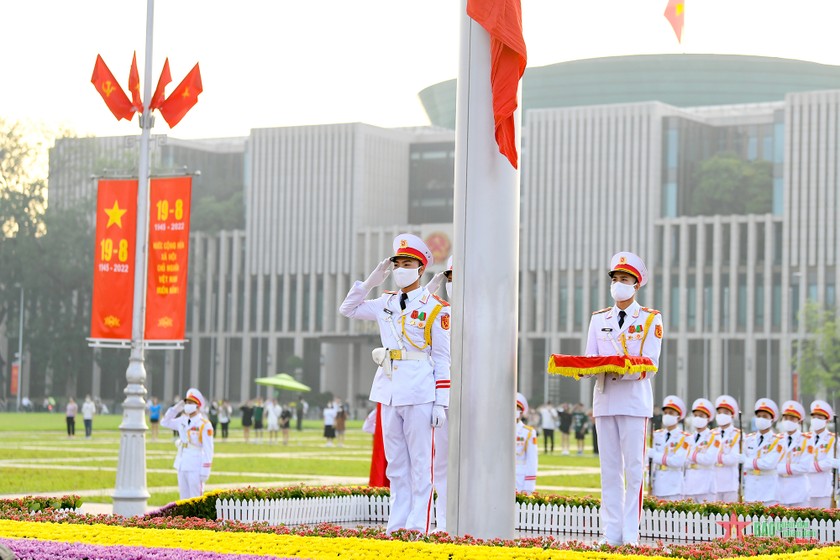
(134, 85)
(503, 21)
(675, 14)
(163, 81)
(107, 86)
(182, 99)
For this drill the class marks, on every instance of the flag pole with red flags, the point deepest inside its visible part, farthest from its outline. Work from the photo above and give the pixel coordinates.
(182, 98)
(486, 222)
(165, 78)
(134, 86)
(110, 90)
(675, 14)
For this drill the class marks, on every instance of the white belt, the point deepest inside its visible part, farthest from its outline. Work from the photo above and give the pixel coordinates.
(406, 355)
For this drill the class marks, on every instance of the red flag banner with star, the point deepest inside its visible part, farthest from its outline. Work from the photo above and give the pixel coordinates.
(165, 79)
(111, 92)
(508, 57)
(182, 98)
(134, 86)
(113, 263)
(675, 14)
(169, 247)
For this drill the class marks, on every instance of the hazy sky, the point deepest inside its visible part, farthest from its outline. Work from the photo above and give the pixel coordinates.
(288, 62)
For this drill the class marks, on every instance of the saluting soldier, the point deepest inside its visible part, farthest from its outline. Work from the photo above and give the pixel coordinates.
(622, 404)
(797, 457)
(762, 452)
(702, 455)
(669, 452)
(728, 447)
(821, 475)
(194, 458)
(412, 380)
(526, 449)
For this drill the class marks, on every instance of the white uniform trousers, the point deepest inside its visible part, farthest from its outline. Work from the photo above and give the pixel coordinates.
(189, 484)
(621, 440)
(821, 502)
(726, 496)
(409, 439)
(441, 461)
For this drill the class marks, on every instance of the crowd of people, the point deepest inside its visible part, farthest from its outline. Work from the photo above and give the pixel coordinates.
(566, 418)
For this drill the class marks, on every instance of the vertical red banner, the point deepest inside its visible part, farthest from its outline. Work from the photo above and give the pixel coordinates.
(13, 388)
(169, 243)
(113, 263)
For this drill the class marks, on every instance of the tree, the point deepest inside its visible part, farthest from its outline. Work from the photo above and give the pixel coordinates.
(727, 184)
(818, 359)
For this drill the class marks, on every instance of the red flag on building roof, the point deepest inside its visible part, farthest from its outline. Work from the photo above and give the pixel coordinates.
(503, 21)
(111, 92)
(675, 14)
(182, 98)
(163, 81)
(134, 85)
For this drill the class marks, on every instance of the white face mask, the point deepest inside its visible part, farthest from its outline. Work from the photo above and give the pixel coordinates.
(449, 290)
(789, 425)
(763, 423)
(405, 276)
(669, 420)
(189, 408)
(622, 292)
(700, 422)
(818, 424)
(723, 419)
(517, 414)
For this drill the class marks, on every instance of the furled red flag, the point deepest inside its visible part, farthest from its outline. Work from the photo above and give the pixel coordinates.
(163, 81)
(134, 85)
(675, 14)
(107, 86)
(503, 21)
(182, 99)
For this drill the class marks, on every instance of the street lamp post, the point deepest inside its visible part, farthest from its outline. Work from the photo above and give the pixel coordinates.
(20, 350)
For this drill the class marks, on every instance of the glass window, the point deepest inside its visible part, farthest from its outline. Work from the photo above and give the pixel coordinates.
(670, 203)
(759, 301)
(776, 303)
(674, 309)
(779, 142)
(293, 301)
(742, 301)
(752, 148)
(830, 295)
(778, 196)
(563, 308)
(578, 319)
(673, 147)
(724, 304)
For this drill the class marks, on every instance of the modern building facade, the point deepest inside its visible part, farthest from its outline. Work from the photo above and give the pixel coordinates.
(322, 204)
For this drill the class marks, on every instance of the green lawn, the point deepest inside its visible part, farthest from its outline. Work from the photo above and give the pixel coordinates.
(36, 456)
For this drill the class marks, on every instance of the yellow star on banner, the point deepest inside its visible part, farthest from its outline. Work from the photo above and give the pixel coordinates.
(115, 215)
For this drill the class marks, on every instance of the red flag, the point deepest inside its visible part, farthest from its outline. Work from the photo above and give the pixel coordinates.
(163, 81)
(378, 462)
(675, 14)
(134, 85)
(182, 99)
(503, 21)
(107, 86)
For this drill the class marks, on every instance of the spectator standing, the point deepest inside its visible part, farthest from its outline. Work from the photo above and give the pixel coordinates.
(72, 409)
(213, 414)
(580, 424)
(285, 423)
(329, 424)
(591, 415)
(247, 419)
(225, 412)
(272, 419)
(88, 410)
(259, 412)
(300, 412)
(548, 423)
(155, 408)
(340, 423)
(564, 416)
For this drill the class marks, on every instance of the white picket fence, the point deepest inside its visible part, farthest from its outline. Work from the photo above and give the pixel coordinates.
(570, 521)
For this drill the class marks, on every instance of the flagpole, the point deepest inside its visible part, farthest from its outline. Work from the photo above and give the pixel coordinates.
(130, 494)
(485, 307)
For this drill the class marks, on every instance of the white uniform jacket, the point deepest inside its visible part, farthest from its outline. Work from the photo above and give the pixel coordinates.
(727, 444)
(760, 476)
(820, 471)
(640, 335)
(526, 458)
(797, 459)
(668, 456)
(702, 455)
(425, 319)
(195, 441)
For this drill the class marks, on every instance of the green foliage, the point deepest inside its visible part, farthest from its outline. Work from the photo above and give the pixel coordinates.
(208, 214)
(820, 352)
(726, 184)
(38, 503)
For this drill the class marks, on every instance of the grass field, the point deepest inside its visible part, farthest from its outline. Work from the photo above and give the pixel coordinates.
(37, 457)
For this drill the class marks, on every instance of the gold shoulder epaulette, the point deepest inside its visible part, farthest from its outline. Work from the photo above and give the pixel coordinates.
(443, 302)
(604, 310)
(651, 310)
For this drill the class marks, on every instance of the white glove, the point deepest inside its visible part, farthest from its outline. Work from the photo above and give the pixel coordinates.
(179, 406)
(379, 275)
(743, 459)
(438, 416)
(435, 282)
(834, 463)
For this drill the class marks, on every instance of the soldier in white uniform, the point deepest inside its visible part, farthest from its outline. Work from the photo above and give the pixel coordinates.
(797, 457)
(669, 451)
(194, 458)
(820, 473)
(412, 381)
(526, 449)
(762, 452)
(728, 447)
(622, 404)
(702, 455)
